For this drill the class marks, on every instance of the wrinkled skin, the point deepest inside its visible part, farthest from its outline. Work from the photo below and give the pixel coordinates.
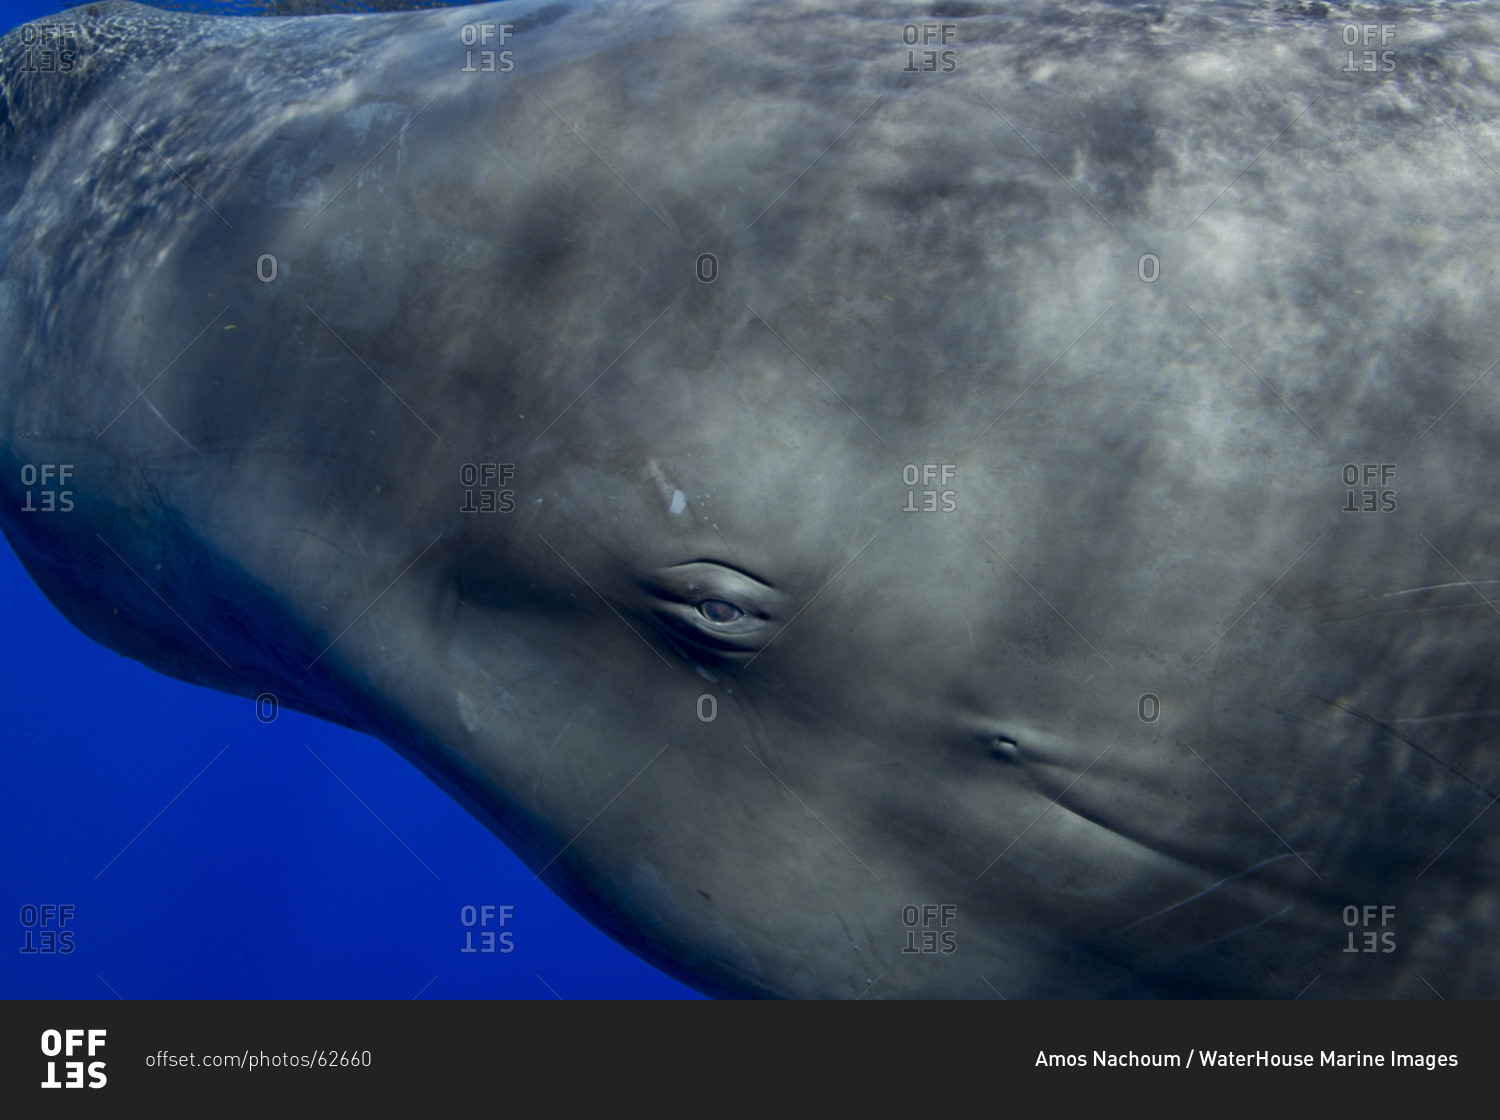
(908, 708)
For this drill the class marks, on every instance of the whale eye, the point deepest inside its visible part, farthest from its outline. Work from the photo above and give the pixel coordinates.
(717, 610)
(711, 611)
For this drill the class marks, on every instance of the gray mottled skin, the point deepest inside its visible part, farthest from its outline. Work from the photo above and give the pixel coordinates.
(915, 707)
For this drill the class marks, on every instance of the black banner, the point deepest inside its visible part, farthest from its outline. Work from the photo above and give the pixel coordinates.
(62, 1057)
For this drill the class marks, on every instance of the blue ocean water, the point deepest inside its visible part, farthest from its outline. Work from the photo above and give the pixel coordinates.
(165, 843)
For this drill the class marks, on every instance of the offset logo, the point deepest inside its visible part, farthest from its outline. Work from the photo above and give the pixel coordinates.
(51, 478)
(67, 1043)
(927, 928)
(482, 35)
(489, 478)
(489, 940)
(1369, 36)
(43, 928)
(1369, 485)
(931, 60)
(51, 48)
(926, 475)
(1361, 919)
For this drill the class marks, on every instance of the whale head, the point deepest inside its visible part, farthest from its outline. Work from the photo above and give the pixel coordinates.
(850, 528)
